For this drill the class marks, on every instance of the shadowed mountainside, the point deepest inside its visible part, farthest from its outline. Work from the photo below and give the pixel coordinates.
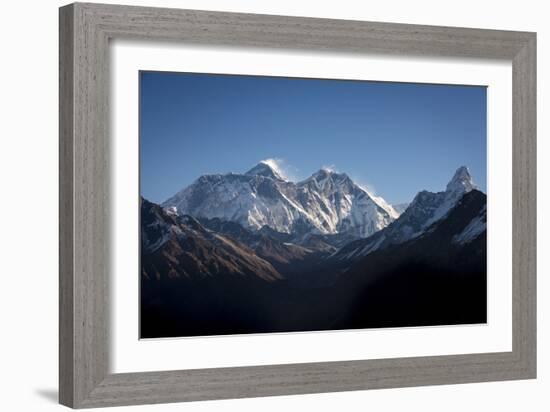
(214, 277)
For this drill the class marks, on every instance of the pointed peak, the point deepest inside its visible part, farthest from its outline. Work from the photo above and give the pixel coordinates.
(327, 169)
(325, 172)
(322, 173)
(462, 171)
(461, 182)
(266, 168)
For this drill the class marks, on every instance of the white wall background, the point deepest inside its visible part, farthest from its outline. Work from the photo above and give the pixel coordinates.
(28, 205)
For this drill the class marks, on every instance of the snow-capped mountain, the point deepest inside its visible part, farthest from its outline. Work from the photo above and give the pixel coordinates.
(325, 203)
(425, 209)
(202, 275)
(437, 276)
(180, 247)
(266, 169)
(477, 226)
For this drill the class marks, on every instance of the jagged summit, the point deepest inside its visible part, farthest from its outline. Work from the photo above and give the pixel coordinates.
(325, 172)
(266, 168)
(329, 179)
(461, 182)
(426, 209)
(327, 202)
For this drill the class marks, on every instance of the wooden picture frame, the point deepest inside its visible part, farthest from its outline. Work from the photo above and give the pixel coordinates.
(85, 31)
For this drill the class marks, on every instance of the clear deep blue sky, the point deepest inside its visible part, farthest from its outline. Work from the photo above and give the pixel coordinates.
(395, 138)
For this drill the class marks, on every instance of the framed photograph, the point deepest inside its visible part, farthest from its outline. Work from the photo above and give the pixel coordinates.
(256, 205)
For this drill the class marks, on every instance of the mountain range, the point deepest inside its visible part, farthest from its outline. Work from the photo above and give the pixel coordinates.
(325, 203)
(255, 252)
(426, 209)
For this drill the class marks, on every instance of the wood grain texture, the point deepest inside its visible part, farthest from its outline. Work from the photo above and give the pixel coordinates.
(85, 31)
(66, 229)
(83, 345)
(524, 206)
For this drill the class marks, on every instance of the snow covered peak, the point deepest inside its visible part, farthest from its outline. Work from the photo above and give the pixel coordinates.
(434, 206)
(324, 175)
(461, 182)
(426, 209)
(326, 203)
(266, 168)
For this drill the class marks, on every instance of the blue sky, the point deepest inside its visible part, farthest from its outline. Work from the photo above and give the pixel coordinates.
(394, 138)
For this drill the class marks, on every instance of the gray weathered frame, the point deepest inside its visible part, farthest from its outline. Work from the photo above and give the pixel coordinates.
(85, 31)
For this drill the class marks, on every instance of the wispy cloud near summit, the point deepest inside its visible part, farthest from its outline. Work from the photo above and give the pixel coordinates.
(282, 168)
(399, 136)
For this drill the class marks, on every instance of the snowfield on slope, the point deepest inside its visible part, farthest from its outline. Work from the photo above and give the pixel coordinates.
(325, 203)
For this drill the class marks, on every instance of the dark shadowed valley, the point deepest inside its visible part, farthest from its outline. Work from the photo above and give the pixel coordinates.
(255, 253)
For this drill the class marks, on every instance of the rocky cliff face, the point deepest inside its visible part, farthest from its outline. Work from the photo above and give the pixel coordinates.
(325, 203)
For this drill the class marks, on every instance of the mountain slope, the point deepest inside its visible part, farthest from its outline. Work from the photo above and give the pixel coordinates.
(425, 209)
(266, 243)
(436, 278)
(430, 279)
(181, 248)
(400, 207)
(325, 203)
(343, 206)
(214, 276)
